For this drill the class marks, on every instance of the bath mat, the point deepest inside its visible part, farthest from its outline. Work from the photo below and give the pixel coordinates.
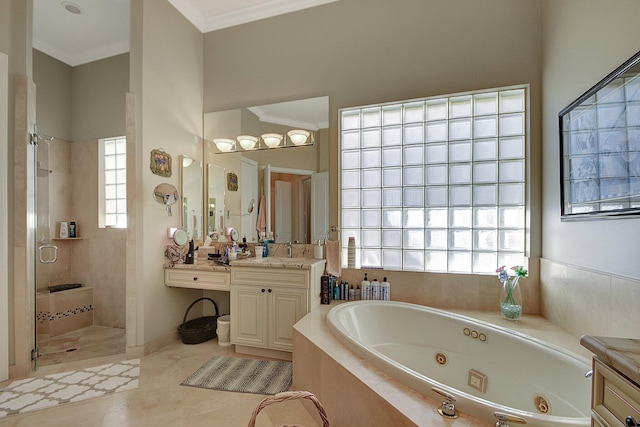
(31, 394)
(242, 375)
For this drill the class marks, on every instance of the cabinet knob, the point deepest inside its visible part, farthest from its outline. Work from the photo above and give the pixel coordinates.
(263, 289)
(630, 422)
(269, 290)
(195, 278)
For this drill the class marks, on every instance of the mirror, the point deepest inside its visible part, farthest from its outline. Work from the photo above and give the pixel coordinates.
(166, 194)
(307, 114)
(215, 201)
(600, 147)
(191, 187)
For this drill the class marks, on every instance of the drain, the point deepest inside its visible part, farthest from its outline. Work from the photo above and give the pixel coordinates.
(441, 359)
(69, 350)
(542, 404)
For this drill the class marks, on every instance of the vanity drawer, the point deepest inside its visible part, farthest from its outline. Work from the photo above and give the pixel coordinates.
(614, 396)
(296, 277)
(197, 279)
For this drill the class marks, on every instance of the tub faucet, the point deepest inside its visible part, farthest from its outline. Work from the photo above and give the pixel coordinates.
(503, 419)
(448, 408)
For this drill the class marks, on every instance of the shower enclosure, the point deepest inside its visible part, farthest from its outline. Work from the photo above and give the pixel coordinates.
(47, 252)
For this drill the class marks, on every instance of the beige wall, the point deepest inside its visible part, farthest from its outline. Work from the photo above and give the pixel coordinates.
(83, 102)
(360, 52)
(54, 82)
(98, 98)
(590, 270)
(166, 56)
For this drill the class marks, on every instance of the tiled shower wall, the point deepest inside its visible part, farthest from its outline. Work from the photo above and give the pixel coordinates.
(588, 302)
(97, 258)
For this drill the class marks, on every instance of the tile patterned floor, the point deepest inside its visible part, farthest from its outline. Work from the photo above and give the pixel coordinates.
(32, 394)
(160, 400)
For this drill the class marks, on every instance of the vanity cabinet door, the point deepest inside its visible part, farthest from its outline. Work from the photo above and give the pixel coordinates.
(286, 307)
(249, 315)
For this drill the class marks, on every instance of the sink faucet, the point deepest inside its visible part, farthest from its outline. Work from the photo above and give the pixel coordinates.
(289, 249)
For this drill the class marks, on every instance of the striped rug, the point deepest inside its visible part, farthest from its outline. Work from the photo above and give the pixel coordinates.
(242, 375)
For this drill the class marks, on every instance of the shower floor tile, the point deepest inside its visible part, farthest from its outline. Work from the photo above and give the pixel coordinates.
(86, 343)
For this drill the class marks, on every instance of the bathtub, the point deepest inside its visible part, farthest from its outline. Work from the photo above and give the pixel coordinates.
(485, 367)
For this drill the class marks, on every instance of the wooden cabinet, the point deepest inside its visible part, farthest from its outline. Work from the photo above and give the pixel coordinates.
(267, 301)
(614, 397)
(197, 279)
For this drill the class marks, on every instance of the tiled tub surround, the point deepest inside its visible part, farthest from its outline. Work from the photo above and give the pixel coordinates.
(588, 302)
(64, 311)
(322, 365)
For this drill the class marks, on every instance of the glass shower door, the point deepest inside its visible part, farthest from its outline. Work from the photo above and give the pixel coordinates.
(46, 251)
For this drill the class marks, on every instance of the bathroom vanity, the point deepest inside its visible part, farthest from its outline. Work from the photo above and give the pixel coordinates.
(267, 295)
(615, 395)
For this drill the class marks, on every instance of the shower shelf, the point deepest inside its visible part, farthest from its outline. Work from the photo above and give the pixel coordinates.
(67, 238)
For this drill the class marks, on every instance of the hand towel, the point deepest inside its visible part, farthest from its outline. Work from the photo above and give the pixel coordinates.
(261, 223)
(334, 266)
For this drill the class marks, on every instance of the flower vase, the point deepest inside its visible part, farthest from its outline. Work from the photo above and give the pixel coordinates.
(511, 299)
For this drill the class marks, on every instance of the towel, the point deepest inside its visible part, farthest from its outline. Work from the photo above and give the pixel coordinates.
(261, 223)
(334, 266)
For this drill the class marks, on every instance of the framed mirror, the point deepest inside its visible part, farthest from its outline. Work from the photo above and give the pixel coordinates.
(215, 201)
(191, 179)
(280, 118)
(600, 148)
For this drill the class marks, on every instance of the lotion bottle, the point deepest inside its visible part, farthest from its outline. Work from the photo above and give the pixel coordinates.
(385, 290)
(375, 290)
(365, 287)
(352, 294)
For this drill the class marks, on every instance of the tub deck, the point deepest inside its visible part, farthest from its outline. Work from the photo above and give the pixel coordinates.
(322, 365)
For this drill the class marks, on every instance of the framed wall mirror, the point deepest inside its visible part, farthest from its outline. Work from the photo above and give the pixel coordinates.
(310, 114)
(191, 179)
(600, 148)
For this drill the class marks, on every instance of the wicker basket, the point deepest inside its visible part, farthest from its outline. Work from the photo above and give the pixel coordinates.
(290, 395)
(201, 329)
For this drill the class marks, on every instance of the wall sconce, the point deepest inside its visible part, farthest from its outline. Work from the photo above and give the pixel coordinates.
(298, 136)
(225, 145)
(272, 139)
(247, 142)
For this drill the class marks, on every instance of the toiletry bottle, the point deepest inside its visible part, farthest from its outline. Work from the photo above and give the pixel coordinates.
(358, 293)
(352, 294)
(72, 229)
(385, 290)
(344, 290)
(365, 285)
(375, 290)
(64, 229)
(336, 291)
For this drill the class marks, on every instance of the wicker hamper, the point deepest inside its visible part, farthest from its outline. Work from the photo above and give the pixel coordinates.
(290, 395)
(199, 330)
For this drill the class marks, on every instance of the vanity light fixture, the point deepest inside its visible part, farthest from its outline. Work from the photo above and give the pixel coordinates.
(247, 142)
(272, 139)
(267, 141)
(186, 161)
(224, 144)
(298, 136)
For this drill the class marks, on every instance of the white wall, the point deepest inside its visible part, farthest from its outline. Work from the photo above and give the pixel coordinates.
(166, 62)
(583, 41)
(589, 274)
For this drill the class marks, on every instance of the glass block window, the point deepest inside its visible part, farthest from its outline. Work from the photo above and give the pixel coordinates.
(436, 184)
(113, 183)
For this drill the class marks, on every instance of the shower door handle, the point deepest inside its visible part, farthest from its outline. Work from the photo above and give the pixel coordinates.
(55, 253)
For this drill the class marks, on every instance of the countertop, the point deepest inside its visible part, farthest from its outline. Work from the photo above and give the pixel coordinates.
(622, 354)
(273, 262)
(278, 262)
